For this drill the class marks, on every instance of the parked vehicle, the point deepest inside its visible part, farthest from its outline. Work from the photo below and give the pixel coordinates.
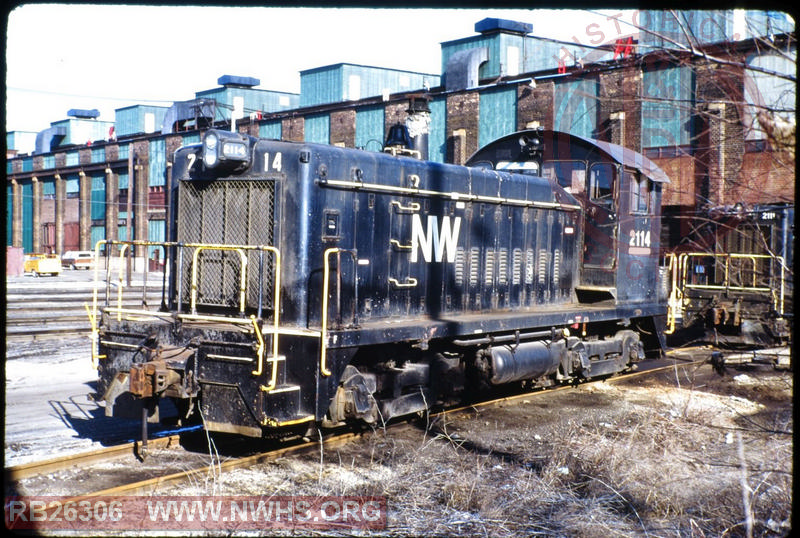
(42, 264)
(78, 259)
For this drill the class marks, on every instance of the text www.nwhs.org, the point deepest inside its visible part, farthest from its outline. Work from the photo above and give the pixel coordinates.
(164, 513)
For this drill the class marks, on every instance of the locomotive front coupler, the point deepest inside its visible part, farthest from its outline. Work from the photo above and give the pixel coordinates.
(168, 373)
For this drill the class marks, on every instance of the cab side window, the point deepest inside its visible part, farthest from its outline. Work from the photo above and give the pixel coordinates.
(601, 183)
(641, 198)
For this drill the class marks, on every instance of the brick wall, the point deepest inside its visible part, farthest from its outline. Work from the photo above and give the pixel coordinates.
(172, 143)
(767, 176)
(343, 128)
(293, 129)
(535, 105)
(462, 113)
(681, 171)
(112, 152)
(620, 107)
(394, 113)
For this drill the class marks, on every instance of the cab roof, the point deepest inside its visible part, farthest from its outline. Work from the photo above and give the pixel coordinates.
(559, 145)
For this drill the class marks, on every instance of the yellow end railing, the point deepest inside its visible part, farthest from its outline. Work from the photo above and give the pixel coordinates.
(675, 298)
(680, 266)
(252, 322)
(198, 249)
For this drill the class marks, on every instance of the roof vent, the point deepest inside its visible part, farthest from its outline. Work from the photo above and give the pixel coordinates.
(187, 115)
(462, 69)
(491, 25)
(83, 114)
(231, 81)
(49, 139)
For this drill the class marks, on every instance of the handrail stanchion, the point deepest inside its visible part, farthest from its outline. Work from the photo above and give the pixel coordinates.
(95, 335)
(119, 288)
(275, 322)
(323, 359)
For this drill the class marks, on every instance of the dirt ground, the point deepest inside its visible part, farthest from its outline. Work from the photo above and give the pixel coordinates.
(682, 453)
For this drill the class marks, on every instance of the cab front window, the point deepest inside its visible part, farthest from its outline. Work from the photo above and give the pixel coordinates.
(569, 174)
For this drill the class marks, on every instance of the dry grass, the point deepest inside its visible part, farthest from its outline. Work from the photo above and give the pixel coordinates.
(607, 461)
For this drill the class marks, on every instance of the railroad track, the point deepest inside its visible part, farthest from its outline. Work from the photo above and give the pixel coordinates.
(26, 471)
(167, 464)
(158, 470)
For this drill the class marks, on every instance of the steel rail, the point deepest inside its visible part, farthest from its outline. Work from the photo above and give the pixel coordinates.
(152, 485)
(23, 471)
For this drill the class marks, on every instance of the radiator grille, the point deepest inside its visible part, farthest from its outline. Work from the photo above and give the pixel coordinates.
(230, 212)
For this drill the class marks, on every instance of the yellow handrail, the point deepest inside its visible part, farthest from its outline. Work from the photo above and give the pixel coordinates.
(94, 336)
(726, 278)
(275, 324)
(323, 354)
(260, 348)
(674, 299)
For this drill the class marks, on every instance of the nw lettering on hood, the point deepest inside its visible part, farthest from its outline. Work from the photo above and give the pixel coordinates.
(435, 240)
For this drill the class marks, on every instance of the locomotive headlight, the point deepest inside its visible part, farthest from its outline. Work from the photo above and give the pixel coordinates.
(531, 144)
(210, 144)
(225, 149)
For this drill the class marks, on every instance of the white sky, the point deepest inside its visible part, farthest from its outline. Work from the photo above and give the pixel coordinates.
(63, 56)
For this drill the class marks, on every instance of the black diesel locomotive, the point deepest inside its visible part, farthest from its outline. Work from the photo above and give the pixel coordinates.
(314, 285)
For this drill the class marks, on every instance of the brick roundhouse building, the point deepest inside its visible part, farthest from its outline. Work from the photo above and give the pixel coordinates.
(713, 112)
